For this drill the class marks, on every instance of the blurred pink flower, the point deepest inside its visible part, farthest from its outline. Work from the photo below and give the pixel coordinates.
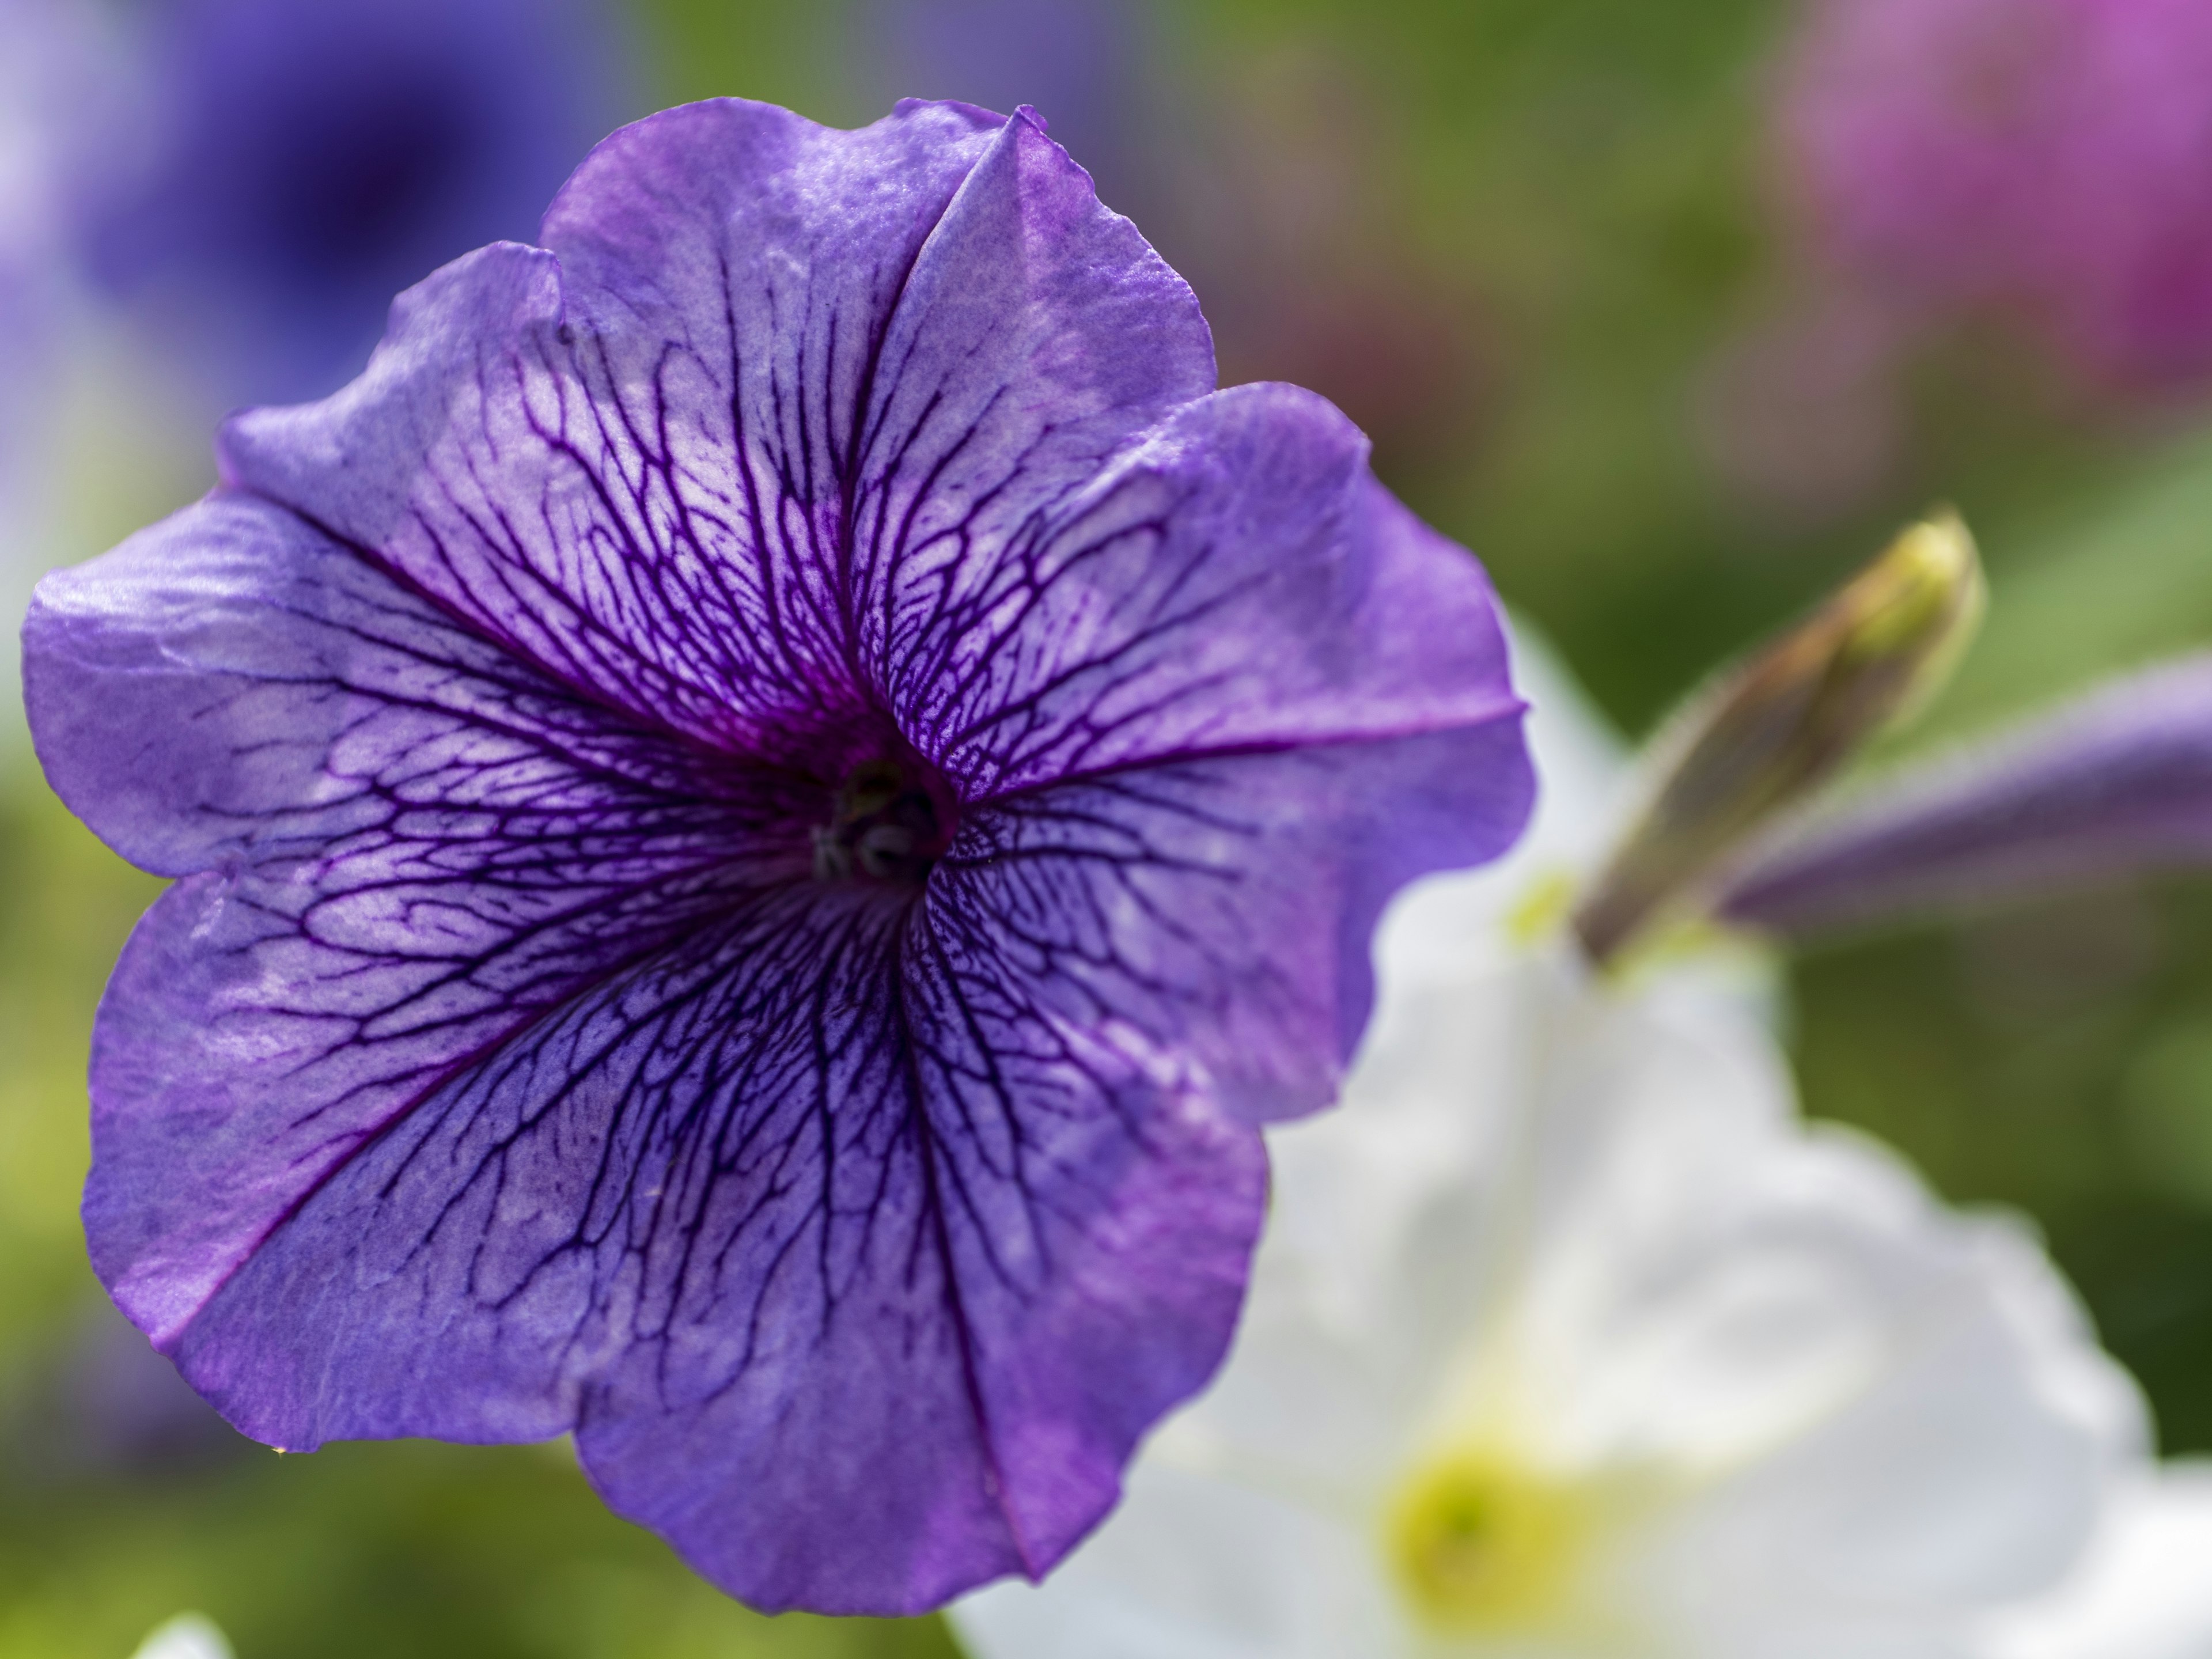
(2050, 156)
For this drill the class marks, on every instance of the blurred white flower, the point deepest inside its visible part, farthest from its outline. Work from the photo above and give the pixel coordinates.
(187, 1636)
(2143, 1590)
(1567, 1340)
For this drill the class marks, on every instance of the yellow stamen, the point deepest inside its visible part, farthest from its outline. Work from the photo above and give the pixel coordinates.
(1481, 1545)
(1541, 909)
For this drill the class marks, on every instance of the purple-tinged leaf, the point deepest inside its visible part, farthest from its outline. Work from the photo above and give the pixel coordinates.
(2113, 784)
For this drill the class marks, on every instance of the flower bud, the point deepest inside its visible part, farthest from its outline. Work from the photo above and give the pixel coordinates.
(1774, 727)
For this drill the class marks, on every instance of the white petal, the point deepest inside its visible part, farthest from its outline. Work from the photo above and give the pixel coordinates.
(2144, 1589)
(1508, 1120)
(1193, 1568)
(187, 1636)
(1439, 925)
(1963, 1465)
(1366, 1273)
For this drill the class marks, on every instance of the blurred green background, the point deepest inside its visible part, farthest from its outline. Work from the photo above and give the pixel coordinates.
(1541, 249)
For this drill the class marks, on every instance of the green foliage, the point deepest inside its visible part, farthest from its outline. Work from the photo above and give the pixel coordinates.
(376, 1550)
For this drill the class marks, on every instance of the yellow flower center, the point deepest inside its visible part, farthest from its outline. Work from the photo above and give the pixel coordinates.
(1541, 909)
(1482, 1545)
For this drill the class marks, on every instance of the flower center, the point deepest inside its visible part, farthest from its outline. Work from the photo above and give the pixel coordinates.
(1481, 1545)
(891, 821)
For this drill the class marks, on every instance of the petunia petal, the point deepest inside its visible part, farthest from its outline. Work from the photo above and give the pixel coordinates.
(2139, 1592)
(407, 845)
(677, 458)
(1152, 899)
(232, 684)
(1237, 581)
(1964, 1469)
(2114, 785)
(1196, 1568)
(857, 1277)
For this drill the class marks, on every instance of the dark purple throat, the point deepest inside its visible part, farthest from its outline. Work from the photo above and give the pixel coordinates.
(890, 822)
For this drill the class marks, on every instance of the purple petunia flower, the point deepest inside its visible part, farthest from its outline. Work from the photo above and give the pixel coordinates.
(2051, 154)
(761, 807)
(272, 171)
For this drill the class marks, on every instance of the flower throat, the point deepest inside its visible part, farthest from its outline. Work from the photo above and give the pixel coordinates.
(890, 823)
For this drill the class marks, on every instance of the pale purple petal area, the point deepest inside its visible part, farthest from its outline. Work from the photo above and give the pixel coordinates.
(1150, 901)
(232, 684)
(2114, 785)
(408, 846)
(684, 457)
(761, 808)
(1237, 581)
(851, 1267)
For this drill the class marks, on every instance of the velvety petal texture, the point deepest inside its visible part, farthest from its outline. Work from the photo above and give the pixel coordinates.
(761, 809)
(2113, 784)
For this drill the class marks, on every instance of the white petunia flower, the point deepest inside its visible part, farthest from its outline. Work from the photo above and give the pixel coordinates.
(1567, 1340)
(187, 1636)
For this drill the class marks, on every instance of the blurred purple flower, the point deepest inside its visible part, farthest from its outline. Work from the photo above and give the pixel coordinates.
(761, 807)
(272, 171)
(45, 68)
(2112, 785)
(125, 1408)
(2053, 156)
